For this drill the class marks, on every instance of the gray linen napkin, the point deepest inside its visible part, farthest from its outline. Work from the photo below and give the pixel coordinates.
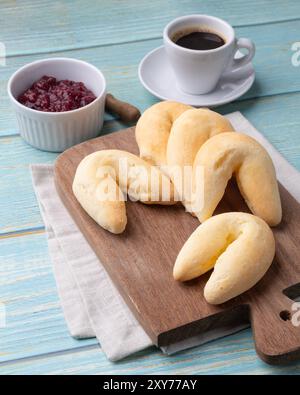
(91, 304)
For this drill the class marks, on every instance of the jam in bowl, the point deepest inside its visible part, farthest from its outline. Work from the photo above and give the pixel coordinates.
(50, 94)
(58, 102)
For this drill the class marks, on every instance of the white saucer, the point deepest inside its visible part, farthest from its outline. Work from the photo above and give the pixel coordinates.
(158, 78)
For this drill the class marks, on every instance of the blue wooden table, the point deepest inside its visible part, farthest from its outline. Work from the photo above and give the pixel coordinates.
(114, 35)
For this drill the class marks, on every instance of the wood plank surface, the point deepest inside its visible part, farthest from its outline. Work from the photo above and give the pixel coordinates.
(231, 355)
(35, 323)
(107, 22)
(275, 73)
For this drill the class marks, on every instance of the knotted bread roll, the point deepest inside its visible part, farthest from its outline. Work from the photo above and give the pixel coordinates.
(188, 133)
(235, 153)
(239, 246)
(103, 177)
(169, 134)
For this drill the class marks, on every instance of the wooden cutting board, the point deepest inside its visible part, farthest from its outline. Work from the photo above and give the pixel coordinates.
(140, 262)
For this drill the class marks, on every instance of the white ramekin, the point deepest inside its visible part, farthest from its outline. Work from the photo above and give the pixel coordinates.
(58, 131)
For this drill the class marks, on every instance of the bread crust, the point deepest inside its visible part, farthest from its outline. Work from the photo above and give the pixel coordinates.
(103, 178)
(188, 133)
(239, 246)
(153, 129)
(235, 153)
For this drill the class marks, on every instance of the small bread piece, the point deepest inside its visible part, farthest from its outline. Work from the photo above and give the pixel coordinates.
(235, 153)
(153, 129)
(239, 246)
(188, 133)
(104, 177)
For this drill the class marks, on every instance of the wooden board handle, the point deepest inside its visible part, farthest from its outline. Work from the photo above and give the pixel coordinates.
(127, 112)
(277, 338)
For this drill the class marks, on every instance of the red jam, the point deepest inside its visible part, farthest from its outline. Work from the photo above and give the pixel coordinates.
(48, 94)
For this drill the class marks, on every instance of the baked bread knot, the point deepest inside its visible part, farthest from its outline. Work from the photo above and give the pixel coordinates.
(235, 153)
(239, 246)
(103, 179)
(188, 133)
(171, 133)
(153, 129)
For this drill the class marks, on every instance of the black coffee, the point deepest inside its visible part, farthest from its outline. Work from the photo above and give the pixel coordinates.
(200, 41)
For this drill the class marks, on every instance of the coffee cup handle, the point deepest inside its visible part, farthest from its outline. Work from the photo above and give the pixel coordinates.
(238, 63)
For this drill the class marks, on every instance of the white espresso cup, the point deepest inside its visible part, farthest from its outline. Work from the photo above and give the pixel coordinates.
(198, 71)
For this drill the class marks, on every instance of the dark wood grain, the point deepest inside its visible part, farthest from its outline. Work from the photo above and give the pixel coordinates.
(140, 262)
(126, 112)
